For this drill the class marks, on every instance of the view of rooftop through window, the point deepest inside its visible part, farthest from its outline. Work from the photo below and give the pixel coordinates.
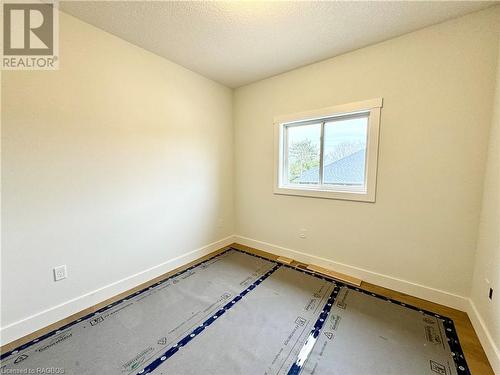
(344, 152)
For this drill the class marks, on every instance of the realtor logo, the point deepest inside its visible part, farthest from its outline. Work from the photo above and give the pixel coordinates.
(30, 36)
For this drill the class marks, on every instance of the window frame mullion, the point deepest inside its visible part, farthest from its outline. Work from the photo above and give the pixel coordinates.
(321, 150)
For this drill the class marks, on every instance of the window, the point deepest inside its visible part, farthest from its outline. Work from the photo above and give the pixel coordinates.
(330, 152)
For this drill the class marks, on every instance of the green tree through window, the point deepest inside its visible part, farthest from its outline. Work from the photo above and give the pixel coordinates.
(303, 155)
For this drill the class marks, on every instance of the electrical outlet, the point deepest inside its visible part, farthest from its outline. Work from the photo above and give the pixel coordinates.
(60, 273)
(303, 233)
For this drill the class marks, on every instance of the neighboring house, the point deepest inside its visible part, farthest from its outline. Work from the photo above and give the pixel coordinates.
(350, 170)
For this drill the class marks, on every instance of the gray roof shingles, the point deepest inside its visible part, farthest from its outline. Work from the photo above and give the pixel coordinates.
(350, 170)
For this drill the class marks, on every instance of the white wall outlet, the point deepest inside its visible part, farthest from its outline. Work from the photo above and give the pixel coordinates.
(303, 233)
(60, 273)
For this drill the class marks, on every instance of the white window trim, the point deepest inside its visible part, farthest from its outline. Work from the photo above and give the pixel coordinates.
(372, 106)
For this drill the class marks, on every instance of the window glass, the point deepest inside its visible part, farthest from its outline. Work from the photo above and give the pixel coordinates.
(344, 153)
(303, 153)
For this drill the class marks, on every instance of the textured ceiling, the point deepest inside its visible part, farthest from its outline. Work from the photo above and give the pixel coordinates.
(238, 42)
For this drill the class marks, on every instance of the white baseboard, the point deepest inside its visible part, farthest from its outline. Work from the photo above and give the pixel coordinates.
(489, 346)
(417, 290)
(44, 318)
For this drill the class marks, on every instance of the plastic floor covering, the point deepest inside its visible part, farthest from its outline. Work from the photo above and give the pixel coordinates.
(238, 313)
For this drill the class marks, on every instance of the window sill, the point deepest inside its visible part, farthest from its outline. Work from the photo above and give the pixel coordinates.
(327, 194)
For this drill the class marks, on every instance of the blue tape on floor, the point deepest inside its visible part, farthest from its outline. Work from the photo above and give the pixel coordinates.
(183, 342)
(313, 336)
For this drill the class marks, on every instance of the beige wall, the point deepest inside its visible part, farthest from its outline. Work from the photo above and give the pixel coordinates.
(487, 266)
(115, 163)
(437, 85)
